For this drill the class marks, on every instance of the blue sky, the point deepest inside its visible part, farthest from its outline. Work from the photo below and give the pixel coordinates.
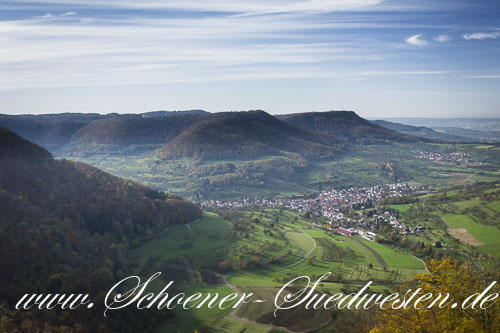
(380, 58)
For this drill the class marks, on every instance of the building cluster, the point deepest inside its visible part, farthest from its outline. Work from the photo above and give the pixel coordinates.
(362, 224)
(350, 208)
(327, 203)
(455, 157)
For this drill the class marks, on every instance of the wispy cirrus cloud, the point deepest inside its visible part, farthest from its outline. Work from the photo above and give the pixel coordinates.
(71, 49)
(228, 6)
(482, 35)
(67, 14)
(442, 38)
(491, 76)
(416, 40)
(324, 51)
(52, 16)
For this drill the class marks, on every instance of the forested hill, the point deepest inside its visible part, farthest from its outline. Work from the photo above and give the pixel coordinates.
(49, 130)
(249, 134)
(199, 134)
(346, 124)
(14, 146)
(65, 228)
(137, 129)
(67, 133)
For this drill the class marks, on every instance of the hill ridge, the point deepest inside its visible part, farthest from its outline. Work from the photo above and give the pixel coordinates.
(242, 134)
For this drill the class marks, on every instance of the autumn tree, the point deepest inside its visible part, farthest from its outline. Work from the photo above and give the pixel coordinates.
(460, 281)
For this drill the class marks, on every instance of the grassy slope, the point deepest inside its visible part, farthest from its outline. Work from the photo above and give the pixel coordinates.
(205, 243)
(210, 239)
(479, 217)
(485, 234)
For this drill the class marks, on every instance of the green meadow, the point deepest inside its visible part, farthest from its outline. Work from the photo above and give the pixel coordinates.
(302, 251)
(485, 234)
(475, 208)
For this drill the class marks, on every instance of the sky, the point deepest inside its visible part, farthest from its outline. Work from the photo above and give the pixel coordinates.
(380, 58)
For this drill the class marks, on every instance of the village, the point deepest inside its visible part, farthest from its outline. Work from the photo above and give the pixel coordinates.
(455, 157)
(349, 212)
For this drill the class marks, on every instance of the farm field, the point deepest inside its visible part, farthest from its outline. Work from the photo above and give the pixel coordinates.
(470, 214)
(394, 258)
(484, 234)
(303, 252)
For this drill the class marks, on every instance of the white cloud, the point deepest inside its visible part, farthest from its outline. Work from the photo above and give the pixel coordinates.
(233, 6)
(72, 50)
(52, 16)
(442, 38)
(415, 40)
(482, 35)
(396, 73)
(484, 76)
(67, 14)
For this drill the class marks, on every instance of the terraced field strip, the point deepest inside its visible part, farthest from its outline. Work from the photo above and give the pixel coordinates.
(329, 251)
(375, 253)
(355, 252)
(393, 257)
(301, 260)
(494, 206)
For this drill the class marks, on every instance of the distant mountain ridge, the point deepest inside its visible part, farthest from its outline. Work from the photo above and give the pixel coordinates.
(165, 113)
(90, 132)
(471, 134)
(346, 124)
(136, 129)
(199, 134)
(472, 129)
(421, 131)
(49, 130)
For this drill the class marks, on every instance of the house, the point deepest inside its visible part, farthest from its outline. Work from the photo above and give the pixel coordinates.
(343, 231)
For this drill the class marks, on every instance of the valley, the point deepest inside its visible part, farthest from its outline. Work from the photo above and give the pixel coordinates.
(231, 166)
(262, 258)
(280, 197)
(279, 176)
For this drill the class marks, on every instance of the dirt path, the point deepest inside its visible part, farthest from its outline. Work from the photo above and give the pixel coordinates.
(447, 225)
(187, 225)
(423, 263)
(225, 277)
(301, 260)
